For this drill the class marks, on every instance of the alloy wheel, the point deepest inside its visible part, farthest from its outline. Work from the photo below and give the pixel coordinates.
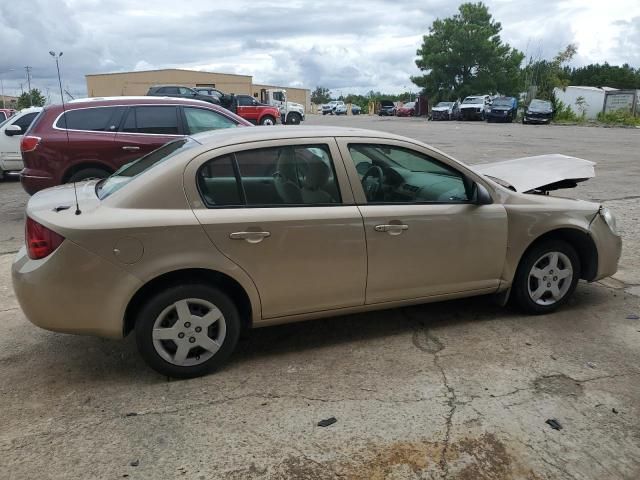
(550, 278)
(189, 332)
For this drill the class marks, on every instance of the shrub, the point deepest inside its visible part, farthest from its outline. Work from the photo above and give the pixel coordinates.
(618, 117)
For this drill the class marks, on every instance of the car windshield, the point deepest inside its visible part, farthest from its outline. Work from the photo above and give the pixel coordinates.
(472, 100)
(444, 104)
(409, 105)
(502, 102)
(129, 171)
(540, 104)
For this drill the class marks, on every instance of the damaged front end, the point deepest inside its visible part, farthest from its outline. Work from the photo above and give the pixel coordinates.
(539, 174)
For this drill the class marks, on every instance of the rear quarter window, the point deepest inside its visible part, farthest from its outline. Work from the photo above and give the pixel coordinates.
(96, 119)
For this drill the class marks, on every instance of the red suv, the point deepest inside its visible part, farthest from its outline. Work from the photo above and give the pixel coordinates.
(96, 136)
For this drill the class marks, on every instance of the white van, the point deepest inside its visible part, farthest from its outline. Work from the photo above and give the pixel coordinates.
(11, 132)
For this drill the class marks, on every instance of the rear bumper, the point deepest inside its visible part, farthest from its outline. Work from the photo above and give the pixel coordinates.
(608, 245)
(34, 181)
(10, 165)
(73, 291)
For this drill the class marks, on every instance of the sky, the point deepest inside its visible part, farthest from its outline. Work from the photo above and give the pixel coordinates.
(347, 46)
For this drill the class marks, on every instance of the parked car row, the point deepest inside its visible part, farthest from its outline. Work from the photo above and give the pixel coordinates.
(272, 106)
(499, 109)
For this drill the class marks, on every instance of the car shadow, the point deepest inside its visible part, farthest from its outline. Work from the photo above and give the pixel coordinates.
(104, 360)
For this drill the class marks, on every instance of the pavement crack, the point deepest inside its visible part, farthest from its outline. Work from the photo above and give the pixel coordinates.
(9, 309)
(452, 403)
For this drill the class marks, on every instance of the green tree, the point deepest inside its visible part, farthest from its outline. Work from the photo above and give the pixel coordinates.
(31, 99)
(542, 76)
(605, 75)
(320, 95)
(464, 54)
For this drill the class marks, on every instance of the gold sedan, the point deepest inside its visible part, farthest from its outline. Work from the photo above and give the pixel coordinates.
(223, 231)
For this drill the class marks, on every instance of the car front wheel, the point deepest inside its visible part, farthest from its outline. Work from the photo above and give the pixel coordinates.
(187, 331)
(547, 276)
(294, 118)
(268, 120)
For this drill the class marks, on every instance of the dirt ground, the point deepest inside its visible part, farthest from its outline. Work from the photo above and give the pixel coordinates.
(456, 390)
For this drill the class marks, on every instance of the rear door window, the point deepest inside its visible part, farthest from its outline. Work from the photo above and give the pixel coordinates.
(153, 119)
(97, 119)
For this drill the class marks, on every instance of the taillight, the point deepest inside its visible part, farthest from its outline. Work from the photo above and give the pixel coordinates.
(41, 241)
(29, 143)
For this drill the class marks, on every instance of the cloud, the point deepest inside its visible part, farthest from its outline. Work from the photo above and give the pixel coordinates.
(345, 46)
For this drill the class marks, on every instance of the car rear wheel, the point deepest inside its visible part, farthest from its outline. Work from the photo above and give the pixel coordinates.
(87, 173)
(268, 120)
(187, 331)
(547, 276)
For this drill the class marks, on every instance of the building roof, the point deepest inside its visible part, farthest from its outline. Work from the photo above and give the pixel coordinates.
(595, 89)
(166, 70)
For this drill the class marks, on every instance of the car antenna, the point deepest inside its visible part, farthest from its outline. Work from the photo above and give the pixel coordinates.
(64, 115)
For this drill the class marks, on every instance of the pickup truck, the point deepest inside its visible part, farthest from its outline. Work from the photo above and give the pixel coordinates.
(251, 109)
(475, 107)
(330, 108)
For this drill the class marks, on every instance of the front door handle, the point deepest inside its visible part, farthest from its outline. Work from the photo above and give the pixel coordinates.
(130, 148)
(251, 237)
(392, 229)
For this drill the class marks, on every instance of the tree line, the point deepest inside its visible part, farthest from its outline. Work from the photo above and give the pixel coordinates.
(464, 55)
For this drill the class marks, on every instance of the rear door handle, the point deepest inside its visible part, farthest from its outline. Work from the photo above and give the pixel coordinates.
(251, 237)
(392, 229)
(130, 148)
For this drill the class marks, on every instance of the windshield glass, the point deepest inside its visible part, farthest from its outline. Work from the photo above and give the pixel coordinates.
(540, 104)
(502, 102)
(409, 105)
(444, 104)
(128, 172)
(472, 100)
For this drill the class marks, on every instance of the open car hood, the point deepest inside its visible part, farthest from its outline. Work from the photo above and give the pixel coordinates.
(541, 173)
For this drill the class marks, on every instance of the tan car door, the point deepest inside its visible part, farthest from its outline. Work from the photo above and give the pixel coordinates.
(423, 237)
(284, 213)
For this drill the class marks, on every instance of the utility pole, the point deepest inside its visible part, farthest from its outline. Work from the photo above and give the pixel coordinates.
(28, 69)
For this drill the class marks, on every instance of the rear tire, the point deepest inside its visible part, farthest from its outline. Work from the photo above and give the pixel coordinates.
(546, 277)
(268, 120)
(180, 317)
(87, 173)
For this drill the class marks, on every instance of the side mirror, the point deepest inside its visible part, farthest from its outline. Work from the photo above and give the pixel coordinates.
(12, 130)
(481, 195)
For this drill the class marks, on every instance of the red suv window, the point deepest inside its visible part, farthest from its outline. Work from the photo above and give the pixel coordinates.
(96, 119)
(156, 119)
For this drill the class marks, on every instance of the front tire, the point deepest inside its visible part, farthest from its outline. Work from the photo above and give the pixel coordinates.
(546, 277)
(294, 118)
(188, 330)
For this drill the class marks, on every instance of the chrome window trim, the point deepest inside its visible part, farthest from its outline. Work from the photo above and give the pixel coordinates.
(55, 122)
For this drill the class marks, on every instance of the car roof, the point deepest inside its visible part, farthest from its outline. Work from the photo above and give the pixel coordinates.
(131, 100)
(170, 85)
(223, 137)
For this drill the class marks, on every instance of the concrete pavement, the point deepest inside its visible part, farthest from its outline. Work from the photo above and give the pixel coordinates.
(457, 390)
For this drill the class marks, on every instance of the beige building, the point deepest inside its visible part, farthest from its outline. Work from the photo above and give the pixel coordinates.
(138, 83)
